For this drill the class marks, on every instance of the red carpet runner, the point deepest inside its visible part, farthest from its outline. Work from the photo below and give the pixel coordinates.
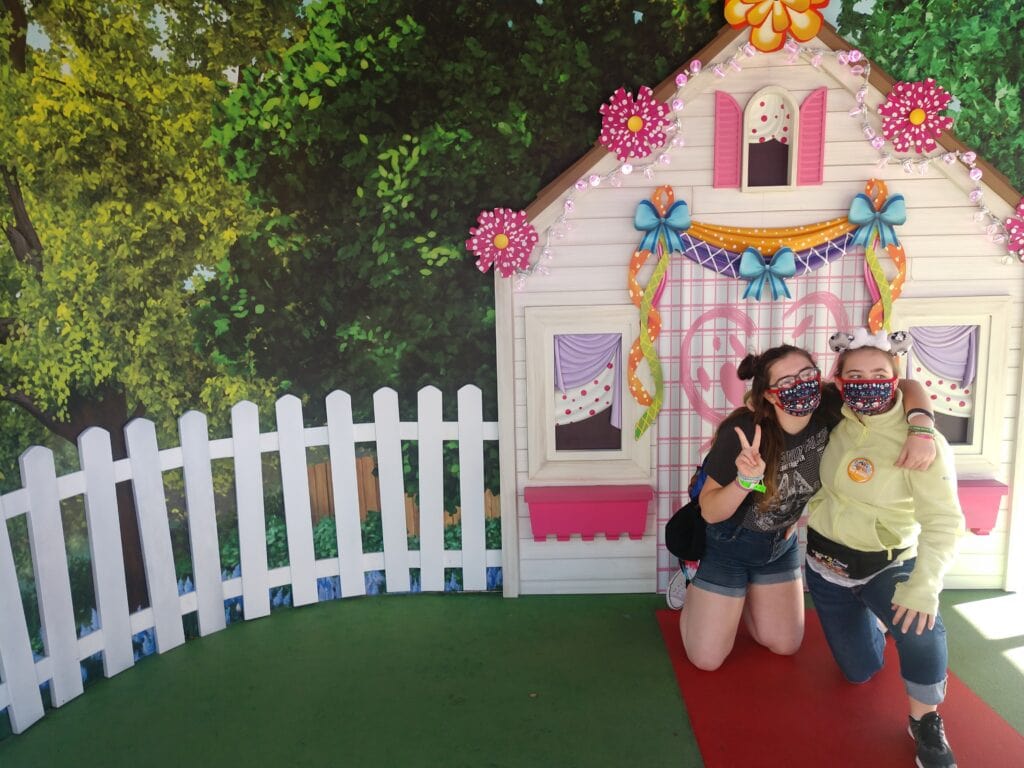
(764, 710)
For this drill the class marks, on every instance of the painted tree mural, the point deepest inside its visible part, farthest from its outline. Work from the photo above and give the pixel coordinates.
(207, 200)
(111, 200)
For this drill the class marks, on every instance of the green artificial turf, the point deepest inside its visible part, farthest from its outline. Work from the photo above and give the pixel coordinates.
(980, 662)
(447, 680)
(424, 680)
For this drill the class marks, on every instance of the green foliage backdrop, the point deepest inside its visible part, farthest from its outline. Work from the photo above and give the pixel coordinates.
(326, 196)
(371, 144)
(972, 49)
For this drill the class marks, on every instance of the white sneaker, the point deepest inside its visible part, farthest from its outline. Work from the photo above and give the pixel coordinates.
(675, 596)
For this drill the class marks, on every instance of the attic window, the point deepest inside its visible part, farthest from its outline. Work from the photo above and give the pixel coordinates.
(769, 139)
(769, 143)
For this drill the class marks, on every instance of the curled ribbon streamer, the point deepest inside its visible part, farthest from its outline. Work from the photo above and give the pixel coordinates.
(869, 281)
(881, 283)
(870, 220)
(647, 346)
(878, 191)
(650, 324)
(880, 315)
(661, 225)
(883, 293)
(754, 269)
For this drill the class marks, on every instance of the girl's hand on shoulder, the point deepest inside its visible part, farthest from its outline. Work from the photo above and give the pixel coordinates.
(918, 453)
(908, 617)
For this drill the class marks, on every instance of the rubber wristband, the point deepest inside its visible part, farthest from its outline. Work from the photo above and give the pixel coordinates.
(922, 435)
(748, 485)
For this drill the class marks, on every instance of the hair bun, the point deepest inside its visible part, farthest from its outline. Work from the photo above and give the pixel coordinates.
(748, 367)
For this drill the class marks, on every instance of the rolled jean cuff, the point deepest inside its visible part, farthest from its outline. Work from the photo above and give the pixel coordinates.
(779, 577)
(931, 694)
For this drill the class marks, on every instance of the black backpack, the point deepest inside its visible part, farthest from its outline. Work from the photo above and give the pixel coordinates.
(685, 530)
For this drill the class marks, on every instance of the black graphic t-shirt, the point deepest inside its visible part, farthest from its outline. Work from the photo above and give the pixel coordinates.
(798, 471)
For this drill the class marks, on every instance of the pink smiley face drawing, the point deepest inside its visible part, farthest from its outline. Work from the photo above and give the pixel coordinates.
(710, 354)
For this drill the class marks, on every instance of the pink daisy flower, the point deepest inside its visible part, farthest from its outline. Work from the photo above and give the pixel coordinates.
(1015, 230)
(910, 116)
(633, 128)
(504, 239)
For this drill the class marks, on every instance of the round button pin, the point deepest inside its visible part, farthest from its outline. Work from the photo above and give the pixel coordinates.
(860, 470)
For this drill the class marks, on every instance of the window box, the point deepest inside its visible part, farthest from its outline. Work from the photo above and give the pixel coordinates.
(980, 500)
(588, 510)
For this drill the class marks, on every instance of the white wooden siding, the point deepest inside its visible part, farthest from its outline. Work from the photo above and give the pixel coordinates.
(948, 255)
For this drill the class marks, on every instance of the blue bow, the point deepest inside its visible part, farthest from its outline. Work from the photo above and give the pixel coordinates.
(670, 226)
(864, 215)
(754, 269)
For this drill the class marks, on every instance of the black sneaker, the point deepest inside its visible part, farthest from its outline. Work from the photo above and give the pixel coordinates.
(932, 748)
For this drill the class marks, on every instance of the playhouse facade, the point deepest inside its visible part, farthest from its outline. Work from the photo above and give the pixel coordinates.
(773, 214)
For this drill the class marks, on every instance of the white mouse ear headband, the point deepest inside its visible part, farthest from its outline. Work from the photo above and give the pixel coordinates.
(897, 343)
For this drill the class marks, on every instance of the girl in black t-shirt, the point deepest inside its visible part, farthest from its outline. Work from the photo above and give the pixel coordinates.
(761, 470)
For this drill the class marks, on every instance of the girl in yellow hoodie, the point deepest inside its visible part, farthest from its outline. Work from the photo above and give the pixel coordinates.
(880, 539)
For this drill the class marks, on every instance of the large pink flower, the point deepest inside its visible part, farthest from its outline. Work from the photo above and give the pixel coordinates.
(1015, 230)
(633, 128)
(770, 20)
(504, 239)
(910, 116)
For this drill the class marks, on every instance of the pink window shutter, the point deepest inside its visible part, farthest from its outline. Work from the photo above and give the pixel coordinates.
(728, 141)
(811, 139)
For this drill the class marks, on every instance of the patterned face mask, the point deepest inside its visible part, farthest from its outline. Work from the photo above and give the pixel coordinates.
(801, 398)
(868, 396)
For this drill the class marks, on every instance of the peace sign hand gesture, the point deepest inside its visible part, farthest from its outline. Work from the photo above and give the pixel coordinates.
(749, 462)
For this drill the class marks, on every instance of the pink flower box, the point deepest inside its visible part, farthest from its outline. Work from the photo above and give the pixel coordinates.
(980, 501)
(588, 510)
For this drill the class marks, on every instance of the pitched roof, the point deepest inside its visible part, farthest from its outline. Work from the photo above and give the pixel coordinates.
(727, 36)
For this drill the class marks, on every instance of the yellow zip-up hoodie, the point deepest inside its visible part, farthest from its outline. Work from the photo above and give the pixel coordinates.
(867, 503)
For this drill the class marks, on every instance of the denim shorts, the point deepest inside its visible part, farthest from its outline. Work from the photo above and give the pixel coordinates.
(736, 556)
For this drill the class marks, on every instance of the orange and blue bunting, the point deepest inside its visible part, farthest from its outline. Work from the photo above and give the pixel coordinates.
(758, 255)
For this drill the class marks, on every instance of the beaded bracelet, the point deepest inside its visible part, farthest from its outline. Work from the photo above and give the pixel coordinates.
(914, 429)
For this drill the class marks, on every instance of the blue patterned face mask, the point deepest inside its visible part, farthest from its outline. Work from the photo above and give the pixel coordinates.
(801, 398)
(868, 396)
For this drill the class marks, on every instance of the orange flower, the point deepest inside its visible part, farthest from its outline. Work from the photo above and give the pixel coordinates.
(769, 20)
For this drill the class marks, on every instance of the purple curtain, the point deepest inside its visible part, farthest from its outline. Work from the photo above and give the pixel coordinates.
(949, 351)
(579, 357)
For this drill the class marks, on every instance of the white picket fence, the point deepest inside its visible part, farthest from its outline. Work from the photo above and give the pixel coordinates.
(39, 499)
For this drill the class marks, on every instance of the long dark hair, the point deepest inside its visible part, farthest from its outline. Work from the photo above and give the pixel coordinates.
(756, 368)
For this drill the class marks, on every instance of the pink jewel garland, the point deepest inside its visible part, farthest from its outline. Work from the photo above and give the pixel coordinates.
(910, 115)
(1015, 231)
(504, 240)
(633, 128)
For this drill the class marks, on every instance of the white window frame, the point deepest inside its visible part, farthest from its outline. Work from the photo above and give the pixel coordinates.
(633, 460)
(793, 140)
(980, 457)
